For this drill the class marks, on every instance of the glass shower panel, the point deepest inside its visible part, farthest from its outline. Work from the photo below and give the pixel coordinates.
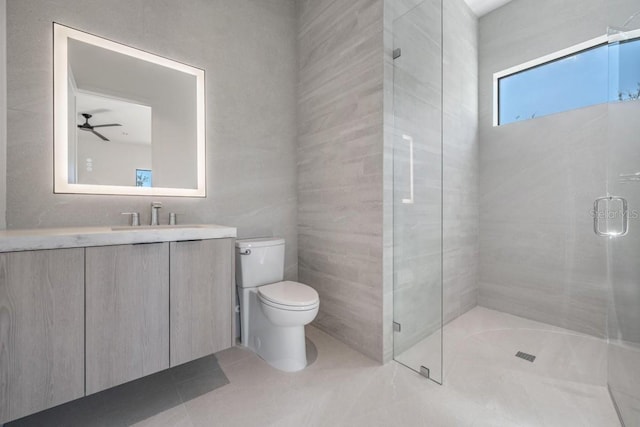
(623, 183)
(417, 214)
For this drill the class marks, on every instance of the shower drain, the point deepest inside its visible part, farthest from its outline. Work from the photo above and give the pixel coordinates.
(526, 356)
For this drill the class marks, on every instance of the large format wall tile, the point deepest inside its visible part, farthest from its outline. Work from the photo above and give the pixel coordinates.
(460, 177)
(539, 257)
(435, 239)
(417, 217)
(624, 269)
(248, 50)
(340, 166)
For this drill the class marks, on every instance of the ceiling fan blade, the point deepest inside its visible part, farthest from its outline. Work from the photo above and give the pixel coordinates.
(109, 125)
(96, 111)
(99, 135)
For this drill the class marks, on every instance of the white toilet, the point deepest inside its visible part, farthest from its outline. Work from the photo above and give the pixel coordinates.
(273, 313)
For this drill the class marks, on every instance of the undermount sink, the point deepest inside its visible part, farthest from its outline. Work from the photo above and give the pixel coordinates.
(154, 227)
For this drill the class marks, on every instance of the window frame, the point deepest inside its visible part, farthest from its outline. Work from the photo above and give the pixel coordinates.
(546, 59)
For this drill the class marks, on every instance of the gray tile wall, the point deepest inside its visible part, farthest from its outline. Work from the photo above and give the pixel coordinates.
(394, 9)
(427, 231)
(248, 49)
(461, 160)
(539, 257)
(624, 268)
(417, 233)
(340, 166)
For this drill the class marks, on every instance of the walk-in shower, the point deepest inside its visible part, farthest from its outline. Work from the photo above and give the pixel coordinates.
(516, 244)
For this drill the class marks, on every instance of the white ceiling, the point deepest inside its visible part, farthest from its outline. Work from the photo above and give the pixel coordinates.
(482, 7)
(135, 119)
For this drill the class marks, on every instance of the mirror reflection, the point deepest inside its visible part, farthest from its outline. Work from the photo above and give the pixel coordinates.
(134, 121)
(112, 141)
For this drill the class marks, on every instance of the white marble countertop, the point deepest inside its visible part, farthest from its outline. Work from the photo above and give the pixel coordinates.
(77, 237)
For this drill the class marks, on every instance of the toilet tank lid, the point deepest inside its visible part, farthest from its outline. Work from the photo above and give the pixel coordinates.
(259, 242)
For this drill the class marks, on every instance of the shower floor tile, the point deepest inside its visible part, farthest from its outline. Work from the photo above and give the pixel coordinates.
(560, 353)
(564, 386)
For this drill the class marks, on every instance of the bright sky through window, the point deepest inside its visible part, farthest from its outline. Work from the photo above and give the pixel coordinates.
(624, 60)
(593, 76)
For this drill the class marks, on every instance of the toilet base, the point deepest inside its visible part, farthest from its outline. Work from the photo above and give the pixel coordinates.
(284, 348)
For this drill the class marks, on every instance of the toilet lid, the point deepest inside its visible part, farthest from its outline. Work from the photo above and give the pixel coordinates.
(289, 293)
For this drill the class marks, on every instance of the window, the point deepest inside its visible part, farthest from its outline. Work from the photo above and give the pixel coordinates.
(143, 178)
(625, 70)
(588, 74)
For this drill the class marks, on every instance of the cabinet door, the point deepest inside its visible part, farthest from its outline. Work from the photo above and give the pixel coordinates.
(127, 313)
(41, 330)
(202, 296)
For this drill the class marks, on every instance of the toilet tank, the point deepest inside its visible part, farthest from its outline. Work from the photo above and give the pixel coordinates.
(259, 261)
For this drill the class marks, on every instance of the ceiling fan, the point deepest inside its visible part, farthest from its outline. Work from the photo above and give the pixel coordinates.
(86, 126)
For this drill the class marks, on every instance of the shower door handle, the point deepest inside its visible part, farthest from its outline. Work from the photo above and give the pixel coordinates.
(625, 217)
(409, 201)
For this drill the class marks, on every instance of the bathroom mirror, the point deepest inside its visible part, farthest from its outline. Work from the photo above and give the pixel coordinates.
(126, 121)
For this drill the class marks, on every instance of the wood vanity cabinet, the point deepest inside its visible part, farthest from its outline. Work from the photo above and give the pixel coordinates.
(202, 297)
(127, 313)
(77, 321)
(41, 330)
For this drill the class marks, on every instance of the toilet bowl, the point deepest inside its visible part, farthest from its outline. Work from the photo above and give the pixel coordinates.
(273, 312)
(289, 303)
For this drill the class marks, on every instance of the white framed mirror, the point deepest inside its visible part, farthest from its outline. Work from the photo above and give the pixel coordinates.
(127, 122)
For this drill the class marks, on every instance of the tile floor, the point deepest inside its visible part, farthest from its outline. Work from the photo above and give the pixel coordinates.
(144, 400)
(485, 385)
(496, 337)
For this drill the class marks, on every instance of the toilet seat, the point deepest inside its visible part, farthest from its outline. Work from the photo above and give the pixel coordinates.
(289, 307)
(289, 295)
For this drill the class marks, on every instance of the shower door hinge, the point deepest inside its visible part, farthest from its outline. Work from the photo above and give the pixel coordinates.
(397, 53)
(397, 327)
(424, 371)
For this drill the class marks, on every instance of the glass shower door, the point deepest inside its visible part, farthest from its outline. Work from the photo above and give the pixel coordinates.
(623, 216)
(417, 200)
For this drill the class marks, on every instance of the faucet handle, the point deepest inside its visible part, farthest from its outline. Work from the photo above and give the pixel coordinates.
(173, 218)
(135, 218)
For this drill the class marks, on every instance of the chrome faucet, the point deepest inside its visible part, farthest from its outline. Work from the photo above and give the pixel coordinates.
(155, 206)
